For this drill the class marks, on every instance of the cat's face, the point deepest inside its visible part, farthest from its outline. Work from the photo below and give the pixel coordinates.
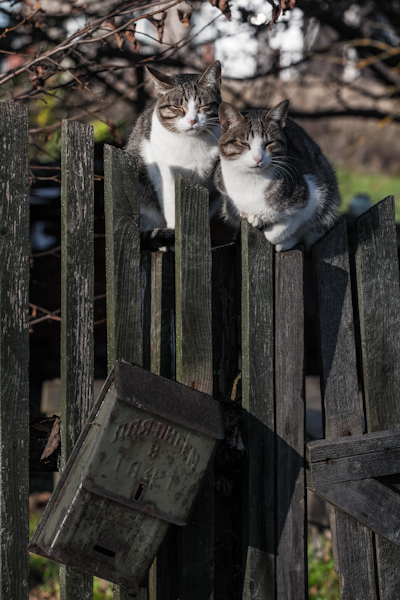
(255, 141)
(188, 103)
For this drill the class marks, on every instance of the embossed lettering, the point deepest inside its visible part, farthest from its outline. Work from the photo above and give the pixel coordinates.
(133, 427)
(145, 427)
(170, 435)
(187, 449)
(133, 468)
(153, 450)
(192, 460)
(118, 463)
(160, 430)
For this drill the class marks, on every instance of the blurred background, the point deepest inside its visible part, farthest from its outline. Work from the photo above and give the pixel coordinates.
(337, 62)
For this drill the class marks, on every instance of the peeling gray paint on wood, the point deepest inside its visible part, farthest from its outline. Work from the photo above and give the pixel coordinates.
(14, 352)
(258, 414)
(379, 308)
(77, 287)
(351, 541)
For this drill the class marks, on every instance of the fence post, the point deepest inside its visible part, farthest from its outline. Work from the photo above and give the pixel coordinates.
(14, 351)
(291, 514)
(258, 414)
(77, 285)
(225, 369)
(194, 368)
(379, 308)
(123, 271)
(351, 541)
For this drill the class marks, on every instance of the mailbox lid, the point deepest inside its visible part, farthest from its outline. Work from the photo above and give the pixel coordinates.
(169, 399)
(148, 462)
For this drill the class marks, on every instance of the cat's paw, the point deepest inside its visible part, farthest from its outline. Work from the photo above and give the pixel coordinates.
(286, 245)
(162, 239)
(253, 220)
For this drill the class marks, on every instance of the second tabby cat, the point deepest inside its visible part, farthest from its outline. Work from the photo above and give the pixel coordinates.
(272, 173)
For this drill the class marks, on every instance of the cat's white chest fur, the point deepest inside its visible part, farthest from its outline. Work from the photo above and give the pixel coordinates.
(247, 191)
(167, 154)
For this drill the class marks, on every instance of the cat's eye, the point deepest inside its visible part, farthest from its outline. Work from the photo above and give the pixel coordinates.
(208, 106)
(242, 144)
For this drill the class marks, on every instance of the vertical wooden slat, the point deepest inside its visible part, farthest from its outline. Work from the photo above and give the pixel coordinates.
(121, 207)
(352, 542)
(379, 309)
(194, 368)
(291, 534)
(162, 352)
(258, 414)
(123, 271)
(224, 320)
(225, 369)
(77, 283)
(14, 351)
(162, 362)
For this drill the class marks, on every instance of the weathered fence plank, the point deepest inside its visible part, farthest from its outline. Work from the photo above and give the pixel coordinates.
(352, 542)
(162, 353)
(14, 351)
(162, 362)
(353, 458)
(77, 284)
(225, 369)
(379, 308)
(258, 414)
(194, 368)
(121, 206)
(291, 552)
(123, 270)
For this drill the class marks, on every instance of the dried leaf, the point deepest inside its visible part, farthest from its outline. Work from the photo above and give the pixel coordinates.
(223, 6)
(53, 441)
(130, 36)
(276, 11)
(159, 24)
(184, 18)
(120, 40)
(110, 23)
(287, 5)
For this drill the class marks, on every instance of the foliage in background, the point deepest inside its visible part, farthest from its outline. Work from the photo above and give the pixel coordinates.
(377, 187)
(323, 581)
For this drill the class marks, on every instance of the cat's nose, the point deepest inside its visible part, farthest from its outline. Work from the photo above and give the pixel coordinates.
(257, 159)
(193, 122)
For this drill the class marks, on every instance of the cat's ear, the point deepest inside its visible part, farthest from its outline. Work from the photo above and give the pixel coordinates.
(279, 113)
(163, 82)
(229, 116)
(212, 75)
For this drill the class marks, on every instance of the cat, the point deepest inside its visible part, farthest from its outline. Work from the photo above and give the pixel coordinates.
(274, 175)
(178, 133)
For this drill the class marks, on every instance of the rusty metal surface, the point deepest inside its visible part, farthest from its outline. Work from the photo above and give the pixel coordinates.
(169, 399)
(149, 463)
(131, 464)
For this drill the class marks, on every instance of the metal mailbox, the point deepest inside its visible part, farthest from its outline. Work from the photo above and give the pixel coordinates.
(137, 467)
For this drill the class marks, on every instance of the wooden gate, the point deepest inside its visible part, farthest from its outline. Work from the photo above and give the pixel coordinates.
(177, 315)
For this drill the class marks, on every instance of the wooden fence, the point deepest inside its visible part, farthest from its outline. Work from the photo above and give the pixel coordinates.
(178, 316)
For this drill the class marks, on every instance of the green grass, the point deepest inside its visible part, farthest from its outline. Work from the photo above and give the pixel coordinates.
(45, 574)
(377, 187)
(323, 581)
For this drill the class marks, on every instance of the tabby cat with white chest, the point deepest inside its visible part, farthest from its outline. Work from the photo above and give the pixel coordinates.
(178, 134)
(274, 175)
